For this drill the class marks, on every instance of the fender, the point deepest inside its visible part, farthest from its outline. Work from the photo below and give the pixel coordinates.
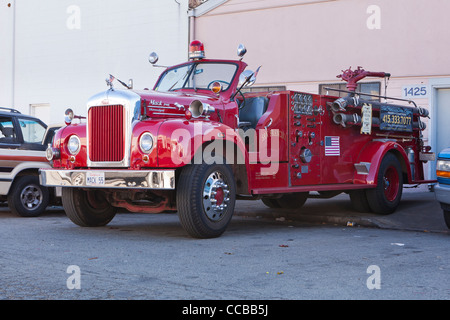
(60, 142)
(373, 153)
(180, 142)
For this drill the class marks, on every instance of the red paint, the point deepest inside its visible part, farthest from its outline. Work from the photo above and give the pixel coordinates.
(295, 159)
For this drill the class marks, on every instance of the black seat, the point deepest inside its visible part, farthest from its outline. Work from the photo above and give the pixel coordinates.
(252, 111)
(9, 136)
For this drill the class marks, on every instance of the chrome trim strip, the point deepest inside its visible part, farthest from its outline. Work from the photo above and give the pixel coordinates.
(116, 179)
(169, 114)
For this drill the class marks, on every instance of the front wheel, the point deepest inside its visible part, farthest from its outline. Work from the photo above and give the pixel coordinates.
(447, 218)
(385, 198)
(206, 195)
(87, 208)
(27, 198)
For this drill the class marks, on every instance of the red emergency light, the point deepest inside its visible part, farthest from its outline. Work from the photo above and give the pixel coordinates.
(196, 50)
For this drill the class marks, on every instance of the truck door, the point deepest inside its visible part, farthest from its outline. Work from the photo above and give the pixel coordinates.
(305, 123)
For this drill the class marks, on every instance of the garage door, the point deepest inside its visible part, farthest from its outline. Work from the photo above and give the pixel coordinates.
(442, 122)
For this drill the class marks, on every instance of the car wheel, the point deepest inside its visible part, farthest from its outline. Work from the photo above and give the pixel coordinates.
(271, 203)
(206, 196)
(385, 198)
(87, 208)
(27, 198)
(359, 201)
(293, 200)
(447, 218)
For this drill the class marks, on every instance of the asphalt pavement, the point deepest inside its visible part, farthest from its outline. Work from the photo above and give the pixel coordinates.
(418, 211)
(265, 254)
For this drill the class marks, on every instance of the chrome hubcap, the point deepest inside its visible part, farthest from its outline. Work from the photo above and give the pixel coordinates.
(31, 197)
(215, 196)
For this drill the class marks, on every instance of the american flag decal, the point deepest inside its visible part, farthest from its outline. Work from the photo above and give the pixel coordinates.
(332, 146)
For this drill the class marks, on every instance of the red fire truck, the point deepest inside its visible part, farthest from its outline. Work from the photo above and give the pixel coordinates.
(196, 143)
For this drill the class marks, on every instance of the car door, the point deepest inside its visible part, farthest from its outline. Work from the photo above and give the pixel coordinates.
(32, 133)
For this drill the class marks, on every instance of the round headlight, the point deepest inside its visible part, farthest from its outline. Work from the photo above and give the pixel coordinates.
(146, 142)
(49, 153)
(52, 153)
(74, 144)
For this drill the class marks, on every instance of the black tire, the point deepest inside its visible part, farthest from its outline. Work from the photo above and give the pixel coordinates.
(87, 208)
(197, 208)
(385, 198)
(27, 198)
(359, 201)
(271, 203)
(447, 218)
(293, 200)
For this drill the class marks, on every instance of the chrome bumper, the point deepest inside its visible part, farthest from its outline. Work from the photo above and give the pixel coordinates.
(118, 179)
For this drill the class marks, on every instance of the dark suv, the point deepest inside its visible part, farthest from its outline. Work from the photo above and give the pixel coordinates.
(23, 141)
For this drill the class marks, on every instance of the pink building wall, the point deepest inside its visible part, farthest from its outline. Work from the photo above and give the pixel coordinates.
(303, 43)
(298, 41)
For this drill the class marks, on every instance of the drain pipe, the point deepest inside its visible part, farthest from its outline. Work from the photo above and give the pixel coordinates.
(13, 71)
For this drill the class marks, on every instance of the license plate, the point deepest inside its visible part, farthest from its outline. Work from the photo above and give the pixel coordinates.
(429, 156)
(95, 178)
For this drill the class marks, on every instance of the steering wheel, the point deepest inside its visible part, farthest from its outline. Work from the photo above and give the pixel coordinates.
(220, 81)
(242, 105)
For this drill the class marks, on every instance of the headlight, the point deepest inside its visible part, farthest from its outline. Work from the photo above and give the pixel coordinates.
(74, 145)
(443, 168)
(146, 142)
(52, 153)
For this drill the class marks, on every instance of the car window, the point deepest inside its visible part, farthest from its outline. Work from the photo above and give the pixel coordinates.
(32, 131)
(7, 132)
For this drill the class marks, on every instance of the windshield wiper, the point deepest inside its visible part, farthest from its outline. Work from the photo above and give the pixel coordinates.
(184, 77)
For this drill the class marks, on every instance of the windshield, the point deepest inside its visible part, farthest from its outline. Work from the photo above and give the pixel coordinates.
(197, 75)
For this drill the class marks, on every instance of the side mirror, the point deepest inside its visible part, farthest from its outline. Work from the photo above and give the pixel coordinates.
(68, 116)
(153, 58)
(241, 50)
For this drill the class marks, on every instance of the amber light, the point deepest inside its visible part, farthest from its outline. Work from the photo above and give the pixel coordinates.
(196, 50)
(216, 87)
(188, 115)
(443, 174)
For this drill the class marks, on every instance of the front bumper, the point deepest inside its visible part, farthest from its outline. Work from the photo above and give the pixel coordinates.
(442, 193)
(116, 179)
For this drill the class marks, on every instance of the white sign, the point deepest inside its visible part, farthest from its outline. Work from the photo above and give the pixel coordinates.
(366, 121)
(419, 91)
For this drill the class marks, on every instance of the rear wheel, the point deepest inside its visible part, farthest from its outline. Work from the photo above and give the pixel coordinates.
(206, 196)
(87, 208)
(359, 201)
(291, 200)
(385, 198)
(271, 203)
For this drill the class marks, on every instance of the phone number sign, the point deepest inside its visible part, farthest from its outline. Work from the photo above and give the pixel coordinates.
(396, 118)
